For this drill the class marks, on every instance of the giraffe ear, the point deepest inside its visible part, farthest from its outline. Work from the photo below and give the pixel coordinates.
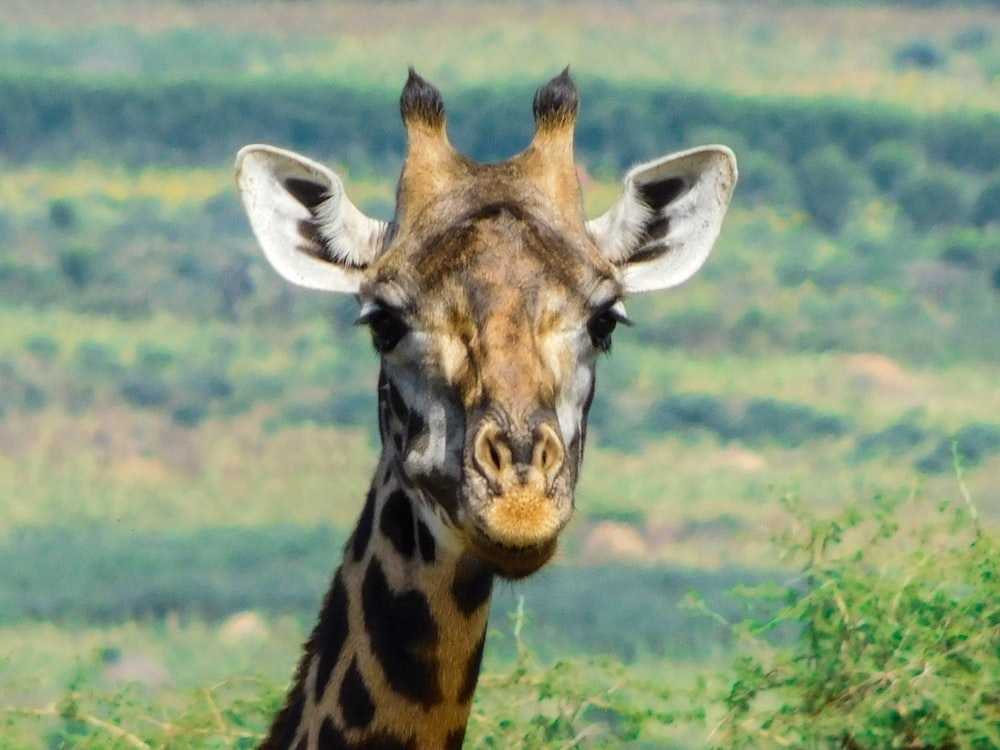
(309, 230)
(663, 227)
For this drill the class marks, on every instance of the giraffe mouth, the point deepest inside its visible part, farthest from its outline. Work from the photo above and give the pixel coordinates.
(509, 561)
(516, 533)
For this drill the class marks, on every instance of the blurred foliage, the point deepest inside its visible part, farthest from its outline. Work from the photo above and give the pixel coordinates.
(133, 298)
(897, 635)
(99, 576)
(882, 630)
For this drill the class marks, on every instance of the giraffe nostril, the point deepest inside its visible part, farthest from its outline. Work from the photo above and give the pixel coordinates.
(492, 453)
(503, 460)
(548, 453)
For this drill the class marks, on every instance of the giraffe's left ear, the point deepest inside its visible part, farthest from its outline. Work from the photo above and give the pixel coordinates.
(663, 227)
(309, 230)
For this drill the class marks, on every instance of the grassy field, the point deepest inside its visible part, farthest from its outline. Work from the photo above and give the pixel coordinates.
(158, 382)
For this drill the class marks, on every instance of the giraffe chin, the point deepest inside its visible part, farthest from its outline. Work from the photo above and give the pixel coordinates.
(512, 562)
(516, 533)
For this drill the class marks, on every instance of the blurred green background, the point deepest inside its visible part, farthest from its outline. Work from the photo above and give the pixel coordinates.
(185, 439)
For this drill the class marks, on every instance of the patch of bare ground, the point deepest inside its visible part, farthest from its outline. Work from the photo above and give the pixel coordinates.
(877, 372)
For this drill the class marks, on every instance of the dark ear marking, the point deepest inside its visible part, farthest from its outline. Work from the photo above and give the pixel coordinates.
(311, 194)
(307, 192)
(659, 194)
(556, 103)
(421, 101)
(649, 252)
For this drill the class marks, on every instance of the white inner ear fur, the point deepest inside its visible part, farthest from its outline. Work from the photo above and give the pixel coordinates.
(349, 239)
(692, 223)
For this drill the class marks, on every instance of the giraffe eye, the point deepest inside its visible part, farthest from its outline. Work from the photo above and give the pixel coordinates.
(386, 325)
(603, 324)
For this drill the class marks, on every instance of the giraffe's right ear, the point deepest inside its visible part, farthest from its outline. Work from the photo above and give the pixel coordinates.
(670, 213)
(309, 230)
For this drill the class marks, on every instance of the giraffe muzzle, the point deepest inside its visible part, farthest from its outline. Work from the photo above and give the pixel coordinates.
(524, 501)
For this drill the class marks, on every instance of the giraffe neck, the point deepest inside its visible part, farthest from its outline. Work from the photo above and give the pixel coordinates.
(394, 658)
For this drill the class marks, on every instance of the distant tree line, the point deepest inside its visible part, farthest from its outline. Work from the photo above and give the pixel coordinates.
(53, 119)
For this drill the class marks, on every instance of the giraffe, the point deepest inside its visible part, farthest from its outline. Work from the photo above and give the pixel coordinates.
(489, 297)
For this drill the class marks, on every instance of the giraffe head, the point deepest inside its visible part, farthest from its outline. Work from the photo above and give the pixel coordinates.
(489, 297)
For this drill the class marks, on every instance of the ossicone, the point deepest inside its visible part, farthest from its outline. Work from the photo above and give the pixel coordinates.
(556, 103)
(421, 102)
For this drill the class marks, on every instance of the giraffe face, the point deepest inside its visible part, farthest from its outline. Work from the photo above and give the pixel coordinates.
(488, 331)
(489, 297)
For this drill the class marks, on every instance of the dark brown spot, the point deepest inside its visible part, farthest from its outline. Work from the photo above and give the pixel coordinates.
(383, 741)
(455, 739)
(400, 410)
(472, 585)
(472, 667)
(396, 524)
(286, 724)
(403, 637)
(331, 738)
(415, 427)
(363, 531)
(330, 634)
(355, 700)
(425, 540)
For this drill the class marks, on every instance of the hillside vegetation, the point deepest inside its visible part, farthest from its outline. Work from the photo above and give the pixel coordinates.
(184, 437)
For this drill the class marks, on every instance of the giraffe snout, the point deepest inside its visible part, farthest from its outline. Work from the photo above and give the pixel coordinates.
(524, 499)
(509, 462)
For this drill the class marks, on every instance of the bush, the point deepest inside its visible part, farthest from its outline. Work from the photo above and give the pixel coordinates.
(78, 266)
(986, 209)
(970, 445)
(826, 184)
(190, 414)
(689, 411)
(692, 328)
(895, 637)
(919, 54)
(891, 162)
(63, 215)
(43, 347)
(765, 181)
(95, 360)
(145, 390)
(932, 200)
(895, 440)
(785, 423)
(792, 272)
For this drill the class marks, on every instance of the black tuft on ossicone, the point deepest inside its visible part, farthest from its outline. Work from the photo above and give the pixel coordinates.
(421, 100)
(556, 102)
